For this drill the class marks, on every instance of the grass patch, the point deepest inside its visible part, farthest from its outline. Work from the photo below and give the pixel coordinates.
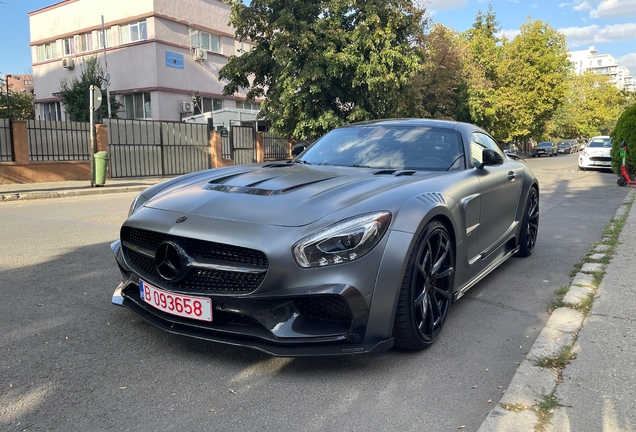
(516, 407)
(545, 411)
(559, 361)
(555, 304)
(584, 306)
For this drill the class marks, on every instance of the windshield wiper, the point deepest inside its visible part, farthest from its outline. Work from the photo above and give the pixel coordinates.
(300, 161)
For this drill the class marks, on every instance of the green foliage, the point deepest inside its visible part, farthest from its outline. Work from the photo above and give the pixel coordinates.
(20, 104)
(592, 104)
(72, 92)
(625, 130)
(439, 86)
(323, 63)
(532, 80)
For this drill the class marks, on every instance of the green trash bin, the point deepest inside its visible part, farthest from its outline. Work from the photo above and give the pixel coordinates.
(101, 167)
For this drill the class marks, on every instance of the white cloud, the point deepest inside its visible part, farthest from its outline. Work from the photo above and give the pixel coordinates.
(609, 9)
(509, 34)
(564, 4)
(590, 35)
(629, 61)
(534, 6)
(582, 7)
(438, 5)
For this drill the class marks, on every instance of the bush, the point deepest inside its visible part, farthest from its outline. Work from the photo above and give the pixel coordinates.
(625, 130)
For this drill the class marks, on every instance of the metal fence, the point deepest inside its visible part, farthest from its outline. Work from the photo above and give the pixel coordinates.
(226, 146)
(59, 140)
(276, 147)
(6, 148)
(141, 148)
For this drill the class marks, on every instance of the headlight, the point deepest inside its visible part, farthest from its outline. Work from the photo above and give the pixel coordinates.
(137, 203)
(342, 242)
(585, 153)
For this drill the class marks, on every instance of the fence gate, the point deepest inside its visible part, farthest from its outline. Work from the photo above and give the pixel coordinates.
(141, 148)
(243, 144)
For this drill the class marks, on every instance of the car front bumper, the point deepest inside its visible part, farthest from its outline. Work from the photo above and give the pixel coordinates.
(595, 162)
(338, 310)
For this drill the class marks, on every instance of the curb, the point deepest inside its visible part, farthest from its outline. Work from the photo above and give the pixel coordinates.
(23, 196)
(531, 384)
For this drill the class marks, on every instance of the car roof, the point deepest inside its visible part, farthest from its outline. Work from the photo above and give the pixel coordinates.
(414, 122)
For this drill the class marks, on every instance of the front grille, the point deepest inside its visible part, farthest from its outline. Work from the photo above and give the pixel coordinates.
(196, 280)
(601, 159)
(325, 308)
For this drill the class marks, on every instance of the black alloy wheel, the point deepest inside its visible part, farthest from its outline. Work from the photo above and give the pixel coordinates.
(529, 224)
(426, 293)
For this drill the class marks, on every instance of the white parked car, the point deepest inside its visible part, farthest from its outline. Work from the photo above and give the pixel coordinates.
(596, 154)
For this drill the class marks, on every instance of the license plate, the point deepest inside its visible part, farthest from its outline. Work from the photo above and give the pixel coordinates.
(602, 163)
(540, 151)
(197, 308)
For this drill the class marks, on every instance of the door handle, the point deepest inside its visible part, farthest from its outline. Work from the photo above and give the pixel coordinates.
(512, 175)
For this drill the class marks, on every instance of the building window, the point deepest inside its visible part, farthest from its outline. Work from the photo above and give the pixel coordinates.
(85, 42)
(47, 51)
(205, 41)
(133, 32)
(203, 105)
(68, 46)
(248, 105)
(100, 39)
(52, 111)
(138, 106)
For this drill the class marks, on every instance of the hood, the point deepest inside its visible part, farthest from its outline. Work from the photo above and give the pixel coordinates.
(598, 151)
(282, 194)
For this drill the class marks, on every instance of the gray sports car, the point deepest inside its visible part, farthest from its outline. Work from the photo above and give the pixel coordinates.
(362, 241)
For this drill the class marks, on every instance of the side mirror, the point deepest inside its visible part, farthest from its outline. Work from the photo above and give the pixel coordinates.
(297, 149)
(490, 157)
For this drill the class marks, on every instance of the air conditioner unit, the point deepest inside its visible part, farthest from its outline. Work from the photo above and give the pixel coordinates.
(68, 63)
(186, 107)
(199, 54)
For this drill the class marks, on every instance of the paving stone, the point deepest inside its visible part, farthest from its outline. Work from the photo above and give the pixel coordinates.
(602, 248)
(499, 420)
(592, 267)
(597, 256)
(559, 332)
(577, 294)
(583, 279)
(530, 385)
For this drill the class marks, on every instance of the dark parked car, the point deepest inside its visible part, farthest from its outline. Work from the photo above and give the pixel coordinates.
(545, 148)
(565, 148)
(363, 240)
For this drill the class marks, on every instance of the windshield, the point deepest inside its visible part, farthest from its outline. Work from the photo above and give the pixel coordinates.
(544, 144)
(388, 147)
(600, 142)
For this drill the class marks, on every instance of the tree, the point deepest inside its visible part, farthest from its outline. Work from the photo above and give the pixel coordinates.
(532, 81)
(324, 63)
(481, 69)
(625, 130)
(21, 103)
(72, 92)
(592, 105)
(439, 86)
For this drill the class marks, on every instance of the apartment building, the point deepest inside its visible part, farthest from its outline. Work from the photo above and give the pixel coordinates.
(163, 56)
(604, 64)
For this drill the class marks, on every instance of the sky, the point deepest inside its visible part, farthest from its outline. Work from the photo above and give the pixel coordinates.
(608, 25)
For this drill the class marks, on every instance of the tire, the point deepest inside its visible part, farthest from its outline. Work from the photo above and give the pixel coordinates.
(426, 292)
(621, 182)
(529, 225)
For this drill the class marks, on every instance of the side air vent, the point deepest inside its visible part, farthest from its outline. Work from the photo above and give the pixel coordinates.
(432, 198)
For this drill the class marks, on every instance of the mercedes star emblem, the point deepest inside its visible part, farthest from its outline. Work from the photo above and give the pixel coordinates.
(169, 261)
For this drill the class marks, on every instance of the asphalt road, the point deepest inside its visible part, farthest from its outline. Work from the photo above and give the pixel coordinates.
(69, 360)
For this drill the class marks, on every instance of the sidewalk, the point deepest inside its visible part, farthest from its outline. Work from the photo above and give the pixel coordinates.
(29, 191)
(595, 392)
